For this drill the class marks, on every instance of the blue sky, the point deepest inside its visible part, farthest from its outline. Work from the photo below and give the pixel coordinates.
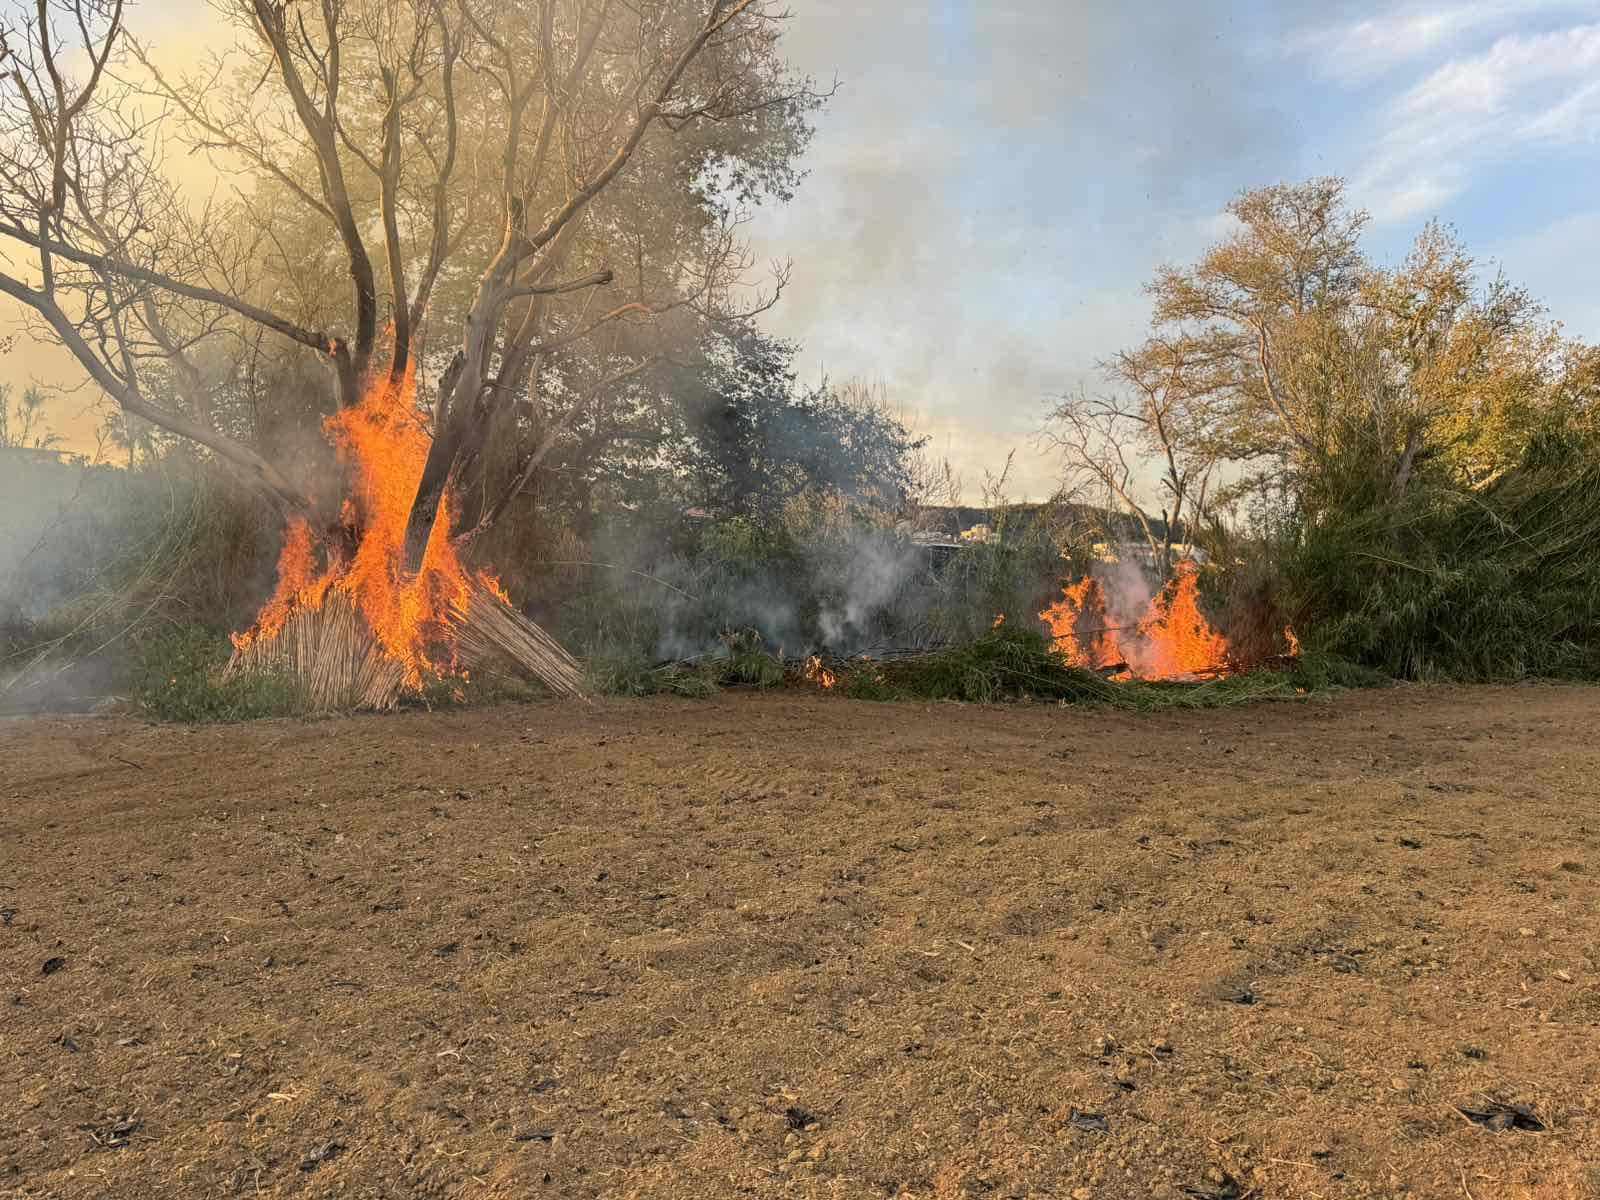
(995, 181)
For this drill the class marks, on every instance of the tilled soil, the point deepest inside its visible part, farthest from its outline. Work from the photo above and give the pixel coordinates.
(792, 945)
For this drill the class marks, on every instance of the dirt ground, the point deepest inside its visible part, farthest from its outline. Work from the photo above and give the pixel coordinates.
(793, 945)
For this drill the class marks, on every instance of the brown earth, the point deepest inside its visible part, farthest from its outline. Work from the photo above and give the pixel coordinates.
(790, 945)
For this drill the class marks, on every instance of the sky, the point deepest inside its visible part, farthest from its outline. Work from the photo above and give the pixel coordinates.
(995, 180)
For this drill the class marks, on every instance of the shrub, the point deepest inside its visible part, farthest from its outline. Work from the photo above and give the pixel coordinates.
(1497, 584)
(175, 676)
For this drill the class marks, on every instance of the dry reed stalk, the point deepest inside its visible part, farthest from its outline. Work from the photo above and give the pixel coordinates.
(331, 656)
(488, 631)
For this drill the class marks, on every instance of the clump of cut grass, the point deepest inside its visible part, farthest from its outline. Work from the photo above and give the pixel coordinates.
(747, 662)
(626, 674)
(1017, 663)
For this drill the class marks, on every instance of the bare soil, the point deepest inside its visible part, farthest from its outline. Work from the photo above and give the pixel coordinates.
(791, 945)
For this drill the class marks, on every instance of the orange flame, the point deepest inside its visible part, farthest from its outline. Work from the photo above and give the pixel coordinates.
(1082, 626)
(819, 674)
(382, 441)
(1291, 641)
(1176, 640)
(1173, 640)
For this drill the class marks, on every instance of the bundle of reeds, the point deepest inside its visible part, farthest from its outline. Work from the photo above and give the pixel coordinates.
(331, 656)
(490, 632)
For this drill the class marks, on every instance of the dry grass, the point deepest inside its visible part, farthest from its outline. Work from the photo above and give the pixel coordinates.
(331, 657)
(491, 632)
(334, 663)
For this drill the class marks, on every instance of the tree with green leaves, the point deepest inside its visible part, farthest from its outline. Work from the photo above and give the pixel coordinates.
(1285, 364)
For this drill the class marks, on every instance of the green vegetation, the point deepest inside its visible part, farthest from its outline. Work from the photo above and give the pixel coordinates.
(175, 676)
(1495, 584)
(1399, 463)
(1014, 663)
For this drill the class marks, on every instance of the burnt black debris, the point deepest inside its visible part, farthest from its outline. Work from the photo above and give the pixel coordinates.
(323, 1153)
(1500, 1116)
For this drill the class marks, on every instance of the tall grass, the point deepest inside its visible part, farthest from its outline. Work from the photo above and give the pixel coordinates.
(113, 565)
(1497, 584)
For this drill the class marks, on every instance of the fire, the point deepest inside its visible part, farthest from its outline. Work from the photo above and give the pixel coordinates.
(1172, 640)
(819, 674)
(385, 447)
(1082, 627)
(1291, 641)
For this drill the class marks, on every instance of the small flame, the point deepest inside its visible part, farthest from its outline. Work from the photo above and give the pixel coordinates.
(819, 674)
(999, 620)
(1292, 641)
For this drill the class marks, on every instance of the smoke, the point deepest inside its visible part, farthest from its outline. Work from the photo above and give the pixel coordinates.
(1127, 590)
(848, 591)
(1000, 177)
(41, 500)
(92, 558)
(876, 573)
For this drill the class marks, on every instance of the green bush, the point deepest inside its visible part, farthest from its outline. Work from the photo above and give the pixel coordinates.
(176, 676)
(1497, 584)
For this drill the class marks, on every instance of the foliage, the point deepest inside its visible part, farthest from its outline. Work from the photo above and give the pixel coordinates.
(1287, 365)
(1502, 582)
(742, 661)
(1014, 574)
(175, 676)
(94, 558)
(526, 207)
(1013, 662)
(756, 442)
(733, 434)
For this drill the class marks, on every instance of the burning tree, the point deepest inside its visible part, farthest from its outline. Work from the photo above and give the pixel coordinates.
(532, 204)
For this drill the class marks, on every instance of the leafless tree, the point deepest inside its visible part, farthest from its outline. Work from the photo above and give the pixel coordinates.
(460, 146)
(1159, 417)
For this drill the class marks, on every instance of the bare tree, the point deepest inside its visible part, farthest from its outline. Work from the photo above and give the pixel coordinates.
(485, 146)
(1159, 418)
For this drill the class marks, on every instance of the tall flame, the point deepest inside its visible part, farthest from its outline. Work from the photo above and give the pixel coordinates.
(383, 444)
(1082, 626)
(1172, 640)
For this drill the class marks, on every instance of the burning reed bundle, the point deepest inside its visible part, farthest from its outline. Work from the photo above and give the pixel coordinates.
(359, 629)
(488, 631)
(335, 662)
(330, 655)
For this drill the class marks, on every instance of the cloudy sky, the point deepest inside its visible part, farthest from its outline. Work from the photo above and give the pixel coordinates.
(996, 178)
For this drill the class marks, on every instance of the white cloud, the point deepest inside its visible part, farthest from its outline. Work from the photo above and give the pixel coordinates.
(1358, 50)
(1523, 93)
